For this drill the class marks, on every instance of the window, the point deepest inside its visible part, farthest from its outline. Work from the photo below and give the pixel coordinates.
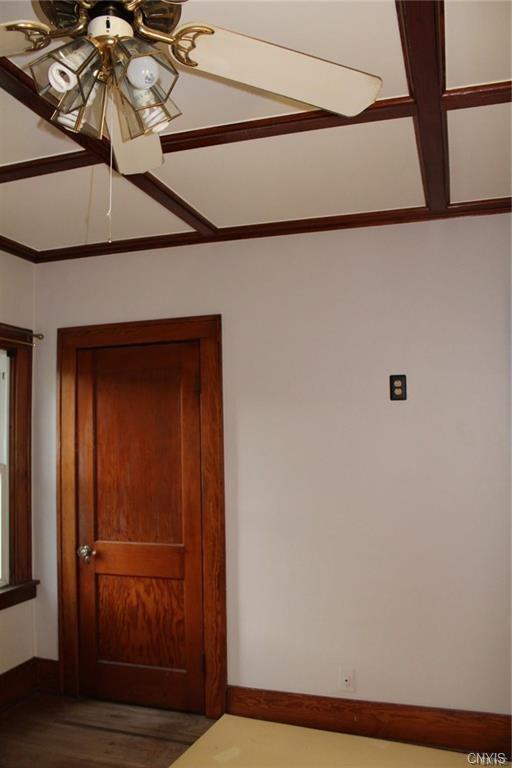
(16, 583)
(4, 468)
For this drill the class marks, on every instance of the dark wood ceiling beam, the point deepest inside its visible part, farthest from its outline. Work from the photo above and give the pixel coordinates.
(173, 202)
(18, 249)
(277, 228)
(385, 109)
(280, 125)
(421, 25)
(44, 165)
(21, 86)
(481, 207)
(477, 95)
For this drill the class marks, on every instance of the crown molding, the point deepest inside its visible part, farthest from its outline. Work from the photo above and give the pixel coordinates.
(278, 228)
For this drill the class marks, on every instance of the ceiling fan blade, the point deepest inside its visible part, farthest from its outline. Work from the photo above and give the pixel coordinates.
(38, 11)
(22, 37)
(270, 67)
(135, 156)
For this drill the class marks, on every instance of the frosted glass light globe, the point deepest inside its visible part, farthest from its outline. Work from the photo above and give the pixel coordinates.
(143, 72)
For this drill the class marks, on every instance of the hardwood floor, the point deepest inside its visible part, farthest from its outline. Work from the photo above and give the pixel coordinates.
(58, 732)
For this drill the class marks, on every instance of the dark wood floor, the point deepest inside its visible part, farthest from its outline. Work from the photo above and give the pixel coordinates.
(57, 732)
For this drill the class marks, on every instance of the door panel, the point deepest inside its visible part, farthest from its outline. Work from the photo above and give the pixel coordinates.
(141, 621)
(139, 507)
(138, 494)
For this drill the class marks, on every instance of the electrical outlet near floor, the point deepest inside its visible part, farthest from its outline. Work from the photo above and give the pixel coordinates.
(347, 681)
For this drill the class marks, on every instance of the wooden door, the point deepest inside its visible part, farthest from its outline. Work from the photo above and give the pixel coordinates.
(139, 509)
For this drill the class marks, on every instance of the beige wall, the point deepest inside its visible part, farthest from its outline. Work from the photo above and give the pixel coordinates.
(360, 532)
(16, 291)
(16, 308)
(16, 635)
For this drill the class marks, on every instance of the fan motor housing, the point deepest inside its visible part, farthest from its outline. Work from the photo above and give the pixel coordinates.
(109, 26)
(159, 15)
(110, 8)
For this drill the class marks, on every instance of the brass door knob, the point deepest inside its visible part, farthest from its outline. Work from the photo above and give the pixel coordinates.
(85, 552)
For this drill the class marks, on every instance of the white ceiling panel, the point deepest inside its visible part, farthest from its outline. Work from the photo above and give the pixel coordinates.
(367, 167)
(70, 208)
(24, 136)
(16, 9)
(478, 41)
(479, 148)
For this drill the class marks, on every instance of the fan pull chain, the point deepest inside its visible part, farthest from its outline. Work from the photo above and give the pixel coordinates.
(109, 212)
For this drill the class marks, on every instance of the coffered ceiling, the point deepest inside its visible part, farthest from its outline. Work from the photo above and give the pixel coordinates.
(241, 164)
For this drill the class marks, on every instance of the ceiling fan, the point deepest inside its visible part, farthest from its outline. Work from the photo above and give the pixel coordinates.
(114, 77)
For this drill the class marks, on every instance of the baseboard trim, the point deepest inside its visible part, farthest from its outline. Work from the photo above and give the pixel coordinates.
(16, 683)
(47, 675)
(35, 674)
(455, 729)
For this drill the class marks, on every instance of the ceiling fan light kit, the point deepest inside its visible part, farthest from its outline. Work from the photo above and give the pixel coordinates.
(65, 77)
(110, 65)
(89, 119)
(144, 78)
(112, 60)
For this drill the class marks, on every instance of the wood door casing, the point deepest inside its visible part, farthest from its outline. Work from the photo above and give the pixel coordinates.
(139, 507)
